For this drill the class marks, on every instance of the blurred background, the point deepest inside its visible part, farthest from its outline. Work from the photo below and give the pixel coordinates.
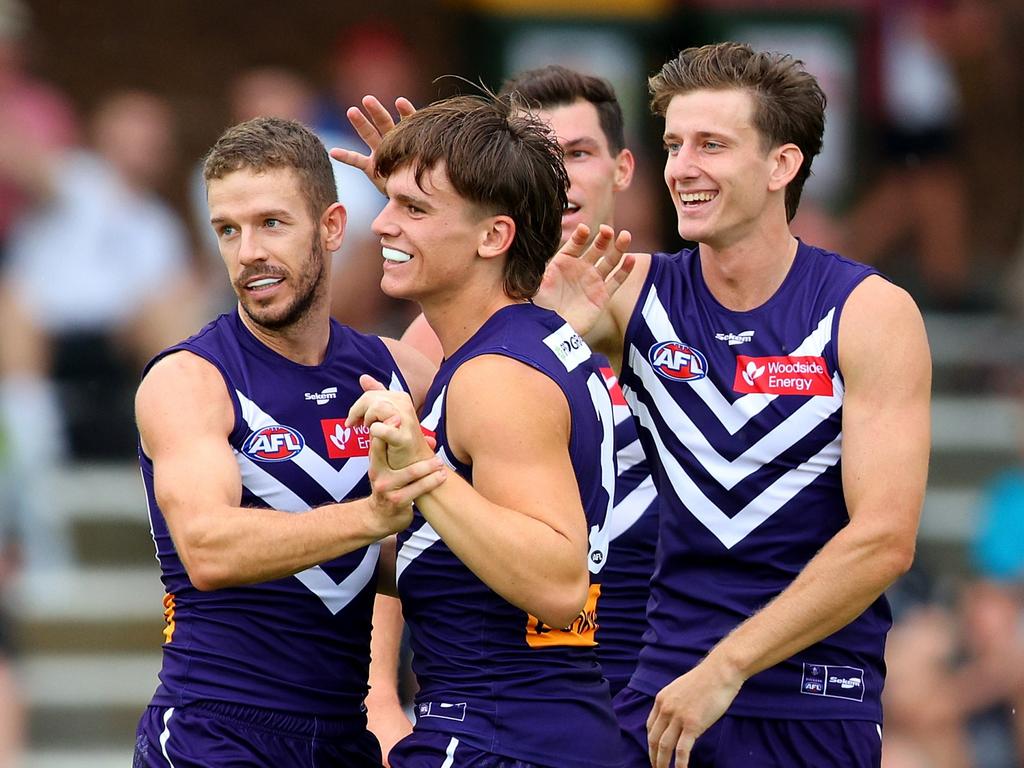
(107, 107)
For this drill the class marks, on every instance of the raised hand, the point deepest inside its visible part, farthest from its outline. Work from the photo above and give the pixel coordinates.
(580, 280)
(371, 126)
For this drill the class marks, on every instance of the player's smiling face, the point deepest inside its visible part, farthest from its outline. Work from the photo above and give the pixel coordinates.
(429, 235)
(271, 244)
(595, 174)
(716, 168)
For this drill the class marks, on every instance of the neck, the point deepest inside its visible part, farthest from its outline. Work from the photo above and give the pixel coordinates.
(304, 341)
(455, 323)
(744, 275)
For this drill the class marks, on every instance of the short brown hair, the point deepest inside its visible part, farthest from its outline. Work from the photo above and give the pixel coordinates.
(266, 143)
(500, 158)
(789, 105)
(556, 86)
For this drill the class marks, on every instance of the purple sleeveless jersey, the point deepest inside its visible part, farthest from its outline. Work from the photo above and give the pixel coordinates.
(298, 644)
(488, 672)
(741, 415)
(633, 535)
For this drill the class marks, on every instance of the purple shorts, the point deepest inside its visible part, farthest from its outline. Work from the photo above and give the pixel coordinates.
(757, 742)
(211, 734)
(429, 749)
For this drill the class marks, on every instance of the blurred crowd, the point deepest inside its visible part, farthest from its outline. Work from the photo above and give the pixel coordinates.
(101, 265)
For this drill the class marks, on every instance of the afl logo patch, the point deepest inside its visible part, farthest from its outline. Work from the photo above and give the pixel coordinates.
(273, 443)
(676, 361)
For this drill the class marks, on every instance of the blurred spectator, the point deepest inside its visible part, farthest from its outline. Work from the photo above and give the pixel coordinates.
(956, 683)
(990, 683)
(997, 548)
(28, 107)
(918, 199)
(371, 58)
(98, 261)
(924, 725)
(12, 715)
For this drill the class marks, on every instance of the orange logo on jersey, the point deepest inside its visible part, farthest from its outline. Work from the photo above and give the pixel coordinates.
(580, 632)
(169, 617)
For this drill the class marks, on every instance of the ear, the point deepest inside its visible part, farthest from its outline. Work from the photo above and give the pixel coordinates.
(332, 227)
(498, 237)
(787, 160)
(625, 164)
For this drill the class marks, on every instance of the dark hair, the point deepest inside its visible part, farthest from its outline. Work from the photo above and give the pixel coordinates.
(500, 158)
(556, 86)
(265, 143)
(789, 105)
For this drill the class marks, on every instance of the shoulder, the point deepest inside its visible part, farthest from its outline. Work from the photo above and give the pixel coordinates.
(182, 392)
(494, 400)
(497, 383)
(180, 373)
(881, 327)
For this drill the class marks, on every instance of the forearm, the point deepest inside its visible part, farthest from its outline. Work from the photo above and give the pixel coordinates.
(385, 644)
(835, 587)
(237, 545)
(526, 561)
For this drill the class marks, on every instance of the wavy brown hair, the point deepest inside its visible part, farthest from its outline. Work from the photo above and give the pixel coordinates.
(266, 143)
(502, 159)
(789, 105)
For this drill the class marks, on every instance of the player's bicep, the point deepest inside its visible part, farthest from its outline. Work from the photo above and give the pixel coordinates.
(886, 419)
(512, 424)
(185, 416)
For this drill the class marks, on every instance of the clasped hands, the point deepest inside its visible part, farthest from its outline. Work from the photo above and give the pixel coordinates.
(403, 465)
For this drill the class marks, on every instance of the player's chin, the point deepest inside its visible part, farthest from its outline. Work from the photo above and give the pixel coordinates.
(396, 289)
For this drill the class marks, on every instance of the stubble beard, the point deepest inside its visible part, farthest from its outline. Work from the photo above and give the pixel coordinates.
(312, 278)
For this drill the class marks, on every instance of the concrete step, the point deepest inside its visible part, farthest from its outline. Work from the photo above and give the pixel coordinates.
(87, 700)
(106, 541)
(89, 681)
(111, 490)
(101, 635)
(101, 593)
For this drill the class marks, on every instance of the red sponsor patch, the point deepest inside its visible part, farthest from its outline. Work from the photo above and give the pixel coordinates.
(783, 375)
(612, 382)
(345, 442)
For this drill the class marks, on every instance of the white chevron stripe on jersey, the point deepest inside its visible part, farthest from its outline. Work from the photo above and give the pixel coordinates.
(425, 537)
(731, 530)
(264, 485)
(735, 415)
(628, 456)
(433, 418)
(631, 508)
(337, 482)
(336, 595)
(417, 543)
(782, 437)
